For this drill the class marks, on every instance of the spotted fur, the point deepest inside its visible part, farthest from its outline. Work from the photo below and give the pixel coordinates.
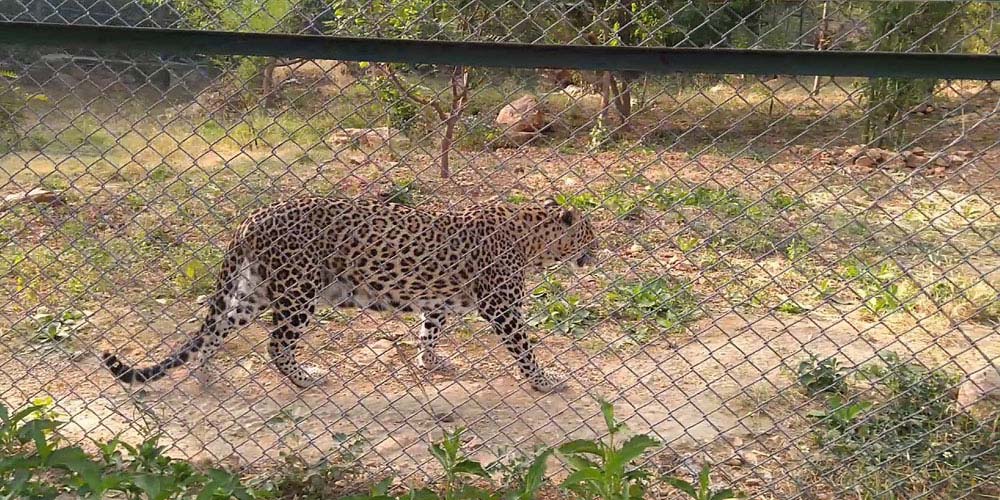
(381, 256)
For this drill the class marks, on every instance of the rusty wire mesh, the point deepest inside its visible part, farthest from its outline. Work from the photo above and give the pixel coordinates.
(754, 230)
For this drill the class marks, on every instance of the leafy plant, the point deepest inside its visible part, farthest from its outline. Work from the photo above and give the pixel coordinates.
(903, 422)
(456, 465)
(624, 205)
(401, 111)
(727, 201)
(34, 464)
(669, 305)
(702, 490)
(563, 315)
(13, 102)
(898, 27)
(522, 475)
(840, 415)
(879, 289)
(403, 192)
(600, 135)
(56, 327)
(820, 376)
(606, 470)
(581, 201)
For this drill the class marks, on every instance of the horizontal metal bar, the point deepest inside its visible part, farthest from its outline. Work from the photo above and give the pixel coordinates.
(643, 59)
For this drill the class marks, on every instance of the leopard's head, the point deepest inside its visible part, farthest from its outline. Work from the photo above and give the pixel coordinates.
(567, 235)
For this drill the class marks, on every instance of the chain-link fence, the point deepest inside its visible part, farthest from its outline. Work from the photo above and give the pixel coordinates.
(797, 279)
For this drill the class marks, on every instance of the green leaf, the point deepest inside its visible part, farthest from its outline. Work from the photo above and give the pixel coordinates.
(725, 494)
(422, 494)
(470, 467)
(682, 485)
(440, 455)
(76, 460)
(577, 462)
(584, 476)
(536, 472)
(155, 487)
(632, 449)
(609, 416)
(703, 481)
(581, 446)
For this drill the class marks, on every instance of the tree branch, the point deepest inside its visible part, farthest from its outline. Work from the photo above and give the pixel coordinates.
(433, 104)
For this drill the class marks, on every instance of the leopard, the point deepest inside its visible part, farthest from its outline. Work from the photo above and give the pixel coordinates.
(291, 256)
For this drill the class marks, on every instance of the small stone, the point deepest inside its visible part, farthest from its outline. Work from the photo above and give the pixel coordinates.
(938, 171)
(853, 151)
(918, 151)
(881, 155)
(984, 385)
(38, 196)
(522, 119)
(895, 162)
(864, 161)
(913, 161)
(380, 346)
(942, 161)
(955, 160)
(965, 153)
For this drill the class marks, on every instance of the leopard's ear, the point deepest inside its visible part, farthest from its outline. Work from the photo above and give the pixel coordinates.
(568, 216)
(551, 202)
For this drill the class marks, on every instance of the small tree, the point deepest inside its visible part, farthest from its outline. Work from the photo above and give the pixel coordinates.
(419, 19)
(904, 27)
(257, 16)
(13, 102)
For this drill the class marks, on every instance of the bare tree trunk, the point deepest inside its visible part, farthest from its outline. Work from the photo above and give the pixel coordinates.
(459, 98)
(622, 98)
(267, 87)
(449, 118)
(605, 79)
(821, 42)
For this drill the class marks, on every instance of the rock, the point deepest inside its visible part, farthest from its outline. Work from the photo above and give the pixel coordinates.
(894, 162)
(918, 151)
(881, 155)
(984, 385)
(575, 91)
(37, 196)
(965, 153)
(942, 161)
(913, 160)
(522, 119)
(955, 160)
(865, 161)
(853, 152)
(370, 138)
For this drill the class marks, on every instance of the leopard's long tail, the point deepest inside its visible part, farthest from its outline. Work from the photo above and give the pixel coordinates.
(235, 302)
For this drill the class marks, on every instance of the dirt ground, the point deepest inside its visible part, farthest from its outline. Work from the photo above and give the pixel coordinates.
(725, 392)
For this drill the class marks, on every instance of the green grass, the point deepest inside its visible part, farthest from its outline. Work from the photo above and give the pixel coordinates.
(895, 432)
(36, 463)
(656, 301)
